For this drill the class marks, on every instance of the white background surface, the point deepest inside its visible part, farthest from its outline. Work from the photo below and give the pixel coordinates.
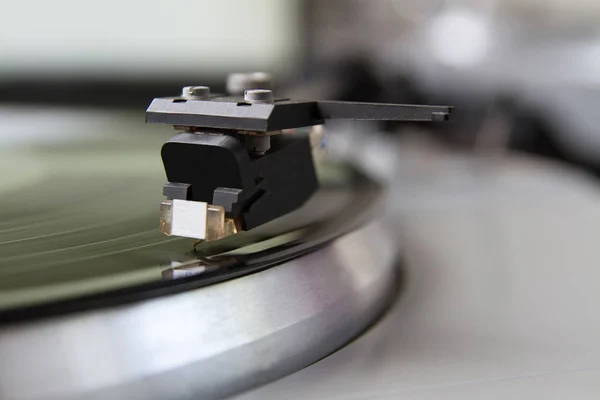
(501, 289)
(133, 37)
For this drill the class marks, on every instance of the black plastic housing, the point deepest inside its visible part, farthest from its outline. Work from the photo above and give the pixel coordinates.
(236, 114)
(219, 170)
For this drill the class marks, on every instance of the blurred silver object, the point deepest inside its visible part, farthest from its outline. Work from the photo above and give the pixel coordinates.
(237, 83)
(500, 290)
(258, 95)
(210, 342)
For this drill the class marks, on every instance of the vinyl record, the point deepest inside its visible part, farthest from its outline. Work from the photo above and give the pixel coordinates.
(79, 216)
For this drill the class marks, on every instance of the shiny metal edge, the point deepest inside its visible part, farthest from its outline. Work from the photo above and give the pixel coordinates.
(211, 342)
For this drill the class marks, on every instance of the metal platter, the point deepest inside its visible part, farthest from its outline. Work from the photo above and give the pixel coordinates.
(88, 306)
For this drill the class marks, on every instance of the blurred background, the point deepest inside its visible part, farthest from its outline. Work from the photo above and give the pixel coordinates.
(532, 64)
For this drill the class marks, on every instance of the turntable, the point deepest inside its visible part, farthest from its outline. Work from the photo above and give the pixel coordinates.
(494, 293)
(290, 262)
(455, 273)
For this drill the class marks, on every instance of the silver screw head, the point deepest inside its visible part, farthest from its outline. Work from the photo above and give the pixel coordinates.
(258, 95)
(195, 92)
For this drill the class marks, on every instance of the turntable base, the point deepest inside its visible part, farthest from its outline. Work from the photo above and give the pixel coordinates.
(86, 312)
(209, 342)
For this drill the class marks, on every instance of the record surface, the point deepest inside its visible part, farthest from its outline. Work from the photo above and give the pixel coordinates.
(79, 208)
